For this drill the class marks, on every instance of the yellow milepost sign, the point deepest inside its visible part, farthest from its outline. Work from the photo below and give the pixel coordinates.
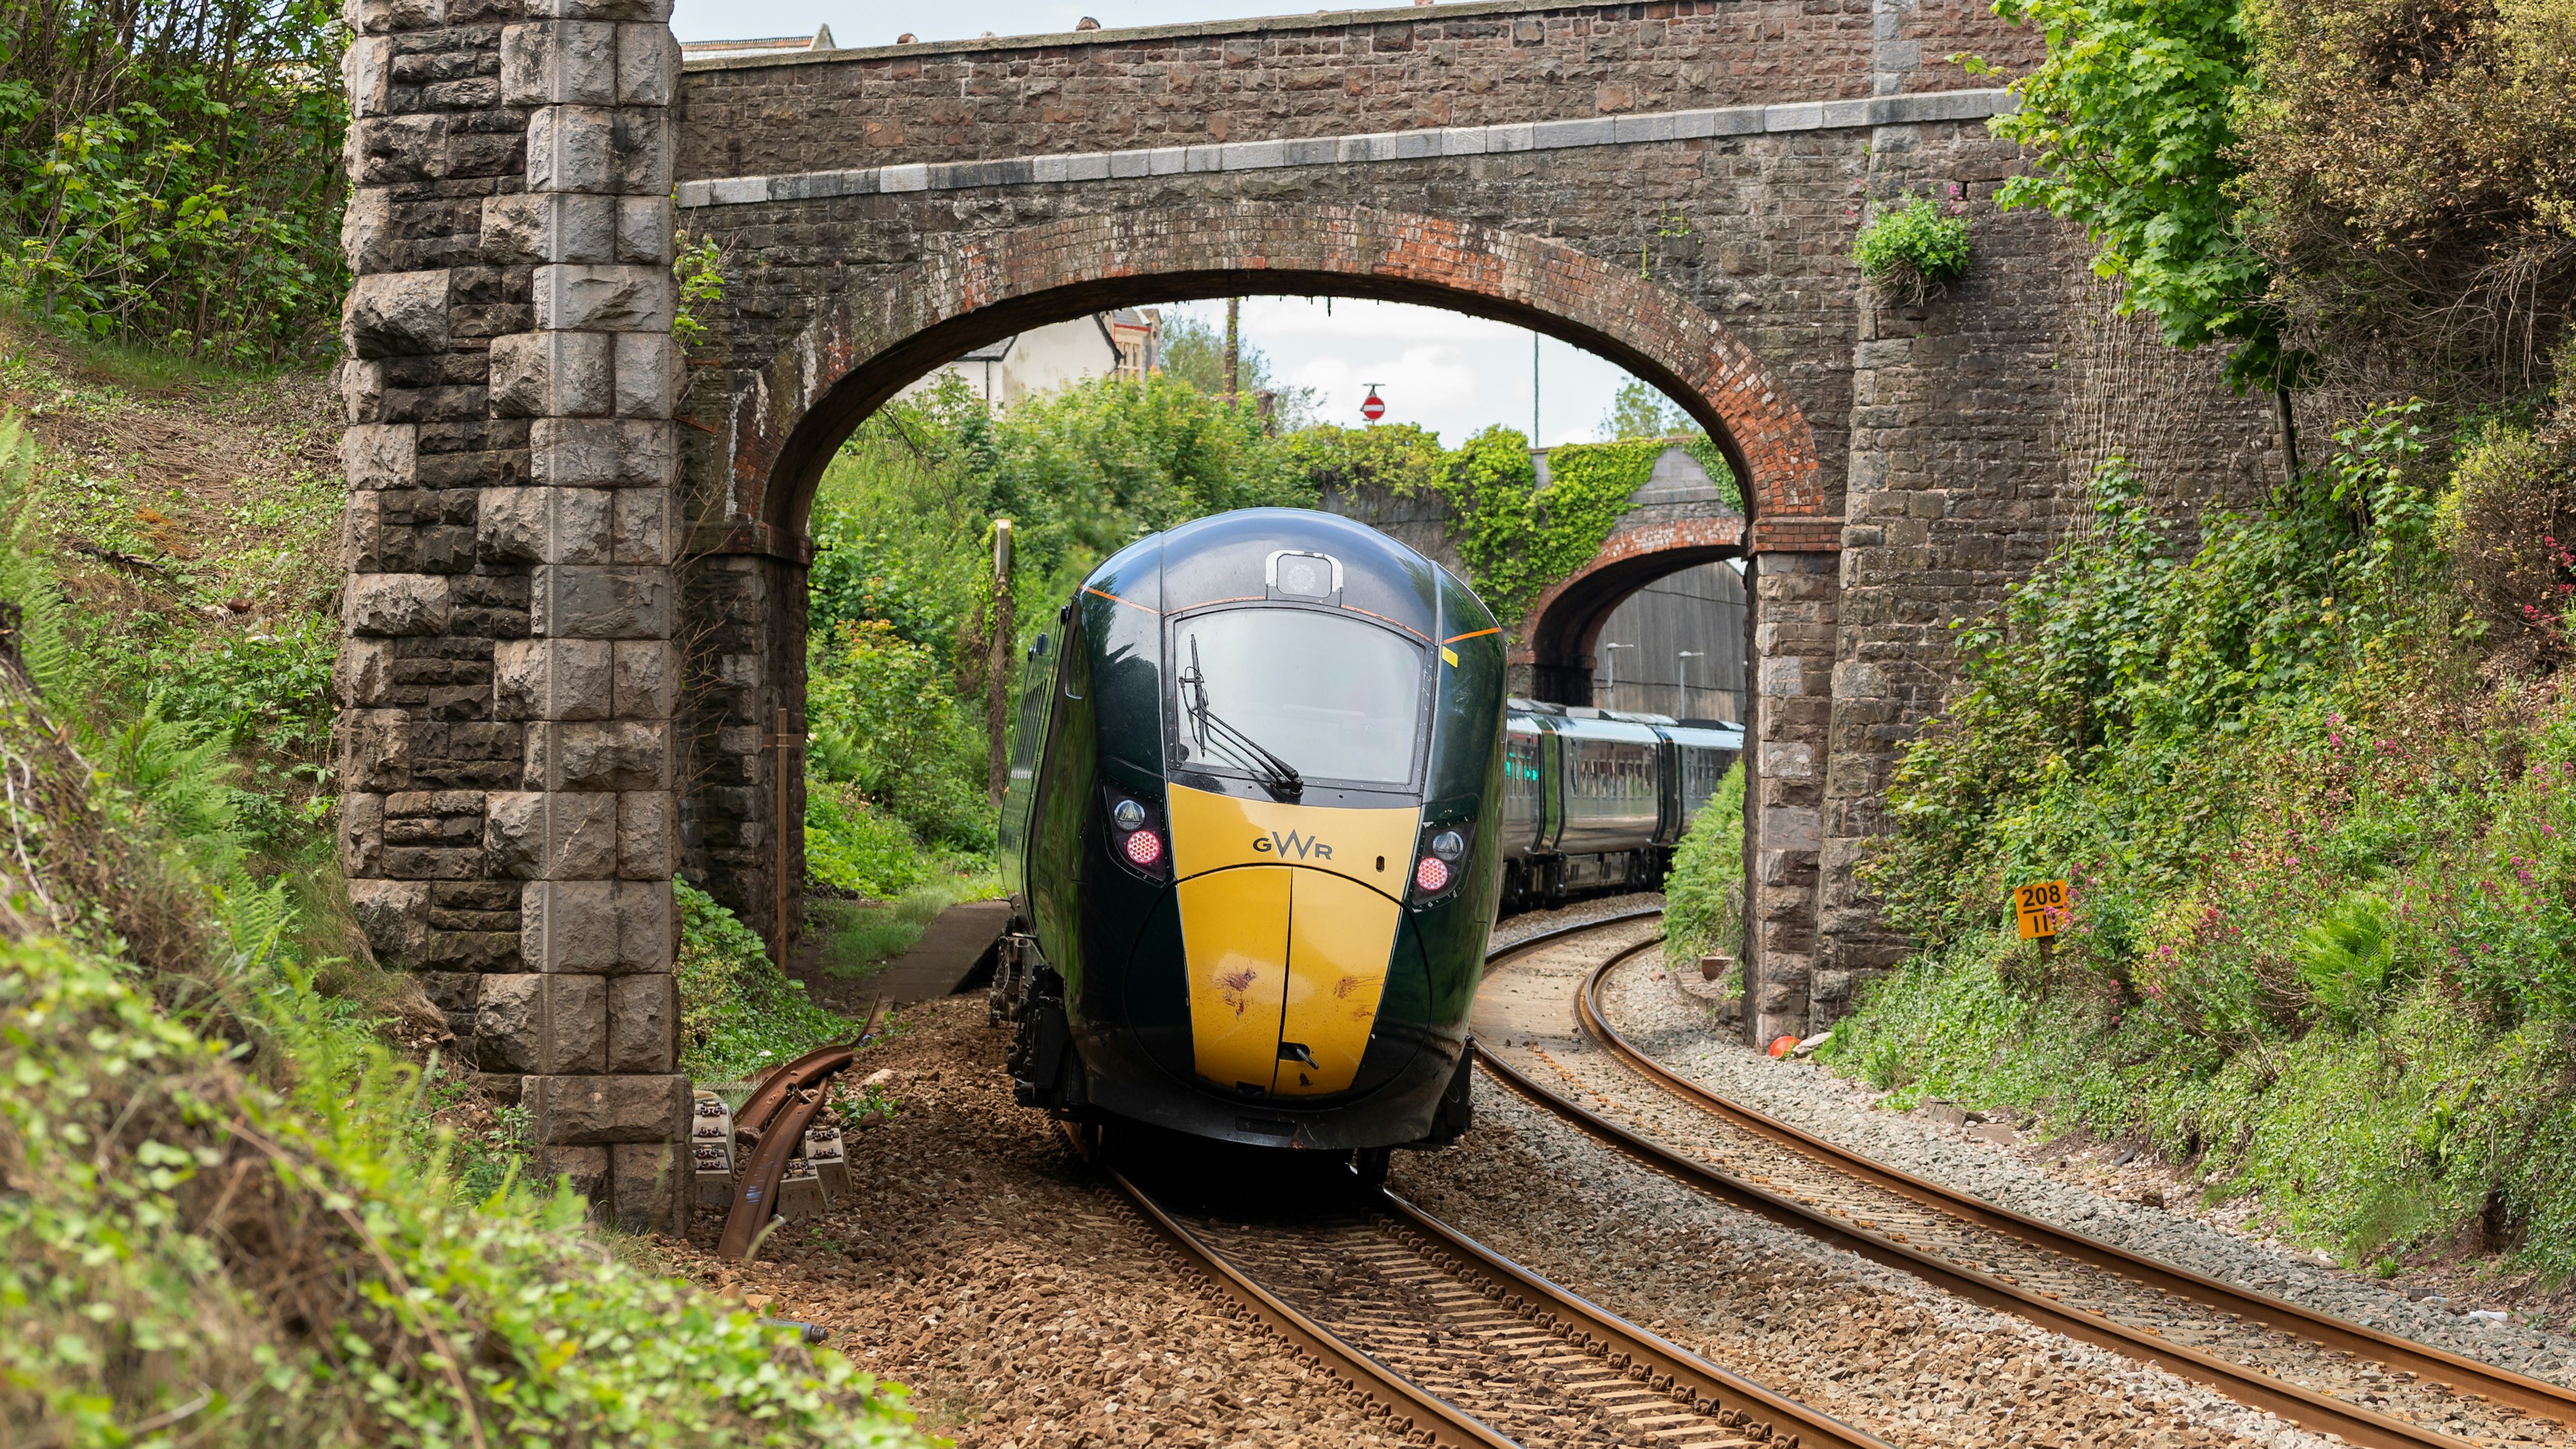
(2037, 906)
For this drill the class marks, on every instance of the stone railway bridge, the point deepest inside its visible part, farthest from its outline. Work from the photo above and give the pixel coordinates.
(576, 602)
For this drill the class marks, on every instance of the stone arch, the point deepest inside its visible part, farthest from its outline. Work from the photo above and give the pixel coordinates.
(1558, 634)
(860, 349)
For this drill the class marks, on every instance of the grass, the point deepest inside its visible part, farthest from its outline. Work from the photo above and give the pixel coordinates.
(860, 938)
(132, 367)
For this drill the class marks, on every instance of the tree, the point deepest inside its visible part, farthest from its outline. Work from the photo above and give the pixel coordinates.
(2410, 171)
(2132, 119)
(1639, 410)
(1194, 353)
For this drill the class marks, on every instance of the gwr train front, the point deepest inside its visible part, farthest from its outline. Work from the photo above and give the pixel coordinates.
(1248, 841)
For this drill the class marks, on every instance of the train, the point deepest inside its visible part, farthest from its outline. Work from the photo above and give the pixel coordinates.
(1597, 799)
(1266, 794)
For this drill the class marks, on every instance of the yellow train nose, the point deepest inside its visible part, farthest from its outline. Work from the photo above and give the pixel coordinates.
(1286, 935)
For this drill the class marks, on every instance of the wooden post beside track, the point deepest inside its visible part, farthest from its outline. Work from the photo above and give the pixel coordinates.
(785, 743)
(1001, 636)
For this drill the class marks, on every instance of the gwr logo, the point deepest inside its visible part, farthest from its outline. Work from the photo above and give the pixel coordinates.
(1294, 845)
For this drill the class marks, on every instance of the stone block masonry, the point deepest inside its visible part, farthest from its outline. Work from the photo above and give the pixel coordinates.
(508, 822)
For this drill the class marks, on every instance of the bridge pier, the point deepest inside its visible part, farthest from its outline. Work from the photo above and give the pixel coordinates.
(507, 676)
(1789, 621)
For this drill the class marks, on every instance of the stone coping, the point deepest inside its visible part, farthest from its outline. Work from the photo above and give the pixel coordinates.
(1130, 35)
(1426, 144)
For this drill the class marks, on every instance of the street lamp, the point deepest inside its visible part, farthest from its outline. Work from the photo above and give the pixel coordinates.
(1681, 686)
(1613, 692)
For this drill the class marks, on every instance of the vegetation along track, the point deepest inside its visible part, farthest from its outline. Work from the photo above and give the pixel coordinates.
(1541, 1031)
(1473, 1350)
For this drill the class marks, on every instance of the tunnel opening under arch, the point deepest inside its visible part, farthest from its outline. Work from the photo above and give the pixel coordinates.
(1679, 530)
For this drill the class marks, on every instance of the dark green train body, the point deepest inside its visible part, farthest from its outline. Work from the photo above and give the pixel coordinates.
(1251, 837)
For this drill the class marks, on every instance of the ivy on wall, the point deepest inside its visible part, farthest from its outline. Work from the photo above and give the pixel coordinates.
(1518, 538)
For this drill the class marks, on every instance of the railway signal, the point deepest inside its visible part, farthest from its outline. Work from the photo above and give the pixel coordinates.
(1374, 407)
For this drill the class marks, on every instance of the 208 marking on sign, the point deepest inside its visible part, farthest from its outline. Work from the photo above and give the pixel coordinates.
(2037, 906)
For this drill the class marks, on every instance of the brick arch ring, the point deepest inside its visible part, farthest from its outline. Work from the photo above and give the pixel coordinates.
(865, 346)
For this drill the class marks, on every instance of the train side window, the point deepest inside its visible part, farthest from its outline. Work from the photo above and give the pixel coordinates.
(1073, 672)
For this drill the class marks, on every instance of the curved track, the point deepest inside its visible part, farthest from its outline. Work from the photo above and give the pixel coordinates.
(1548, 1039)
(1473, 1350)
(1464, 1348)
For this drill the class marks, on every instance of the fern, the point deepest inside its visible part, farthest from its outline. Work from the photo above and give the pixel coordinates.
(2347, 959)
(43, 635)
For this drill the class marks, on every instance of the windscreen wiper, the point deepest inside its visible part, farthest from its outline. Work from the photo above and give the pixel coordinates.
(1214, 736)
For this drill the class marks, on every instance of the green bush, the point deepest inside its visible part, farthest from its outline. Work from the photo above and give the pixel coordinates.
(2509, 524)
(739, 1013)
(884, 721)
(1704, 894)
(1913, 250)
(169, 172)
(852, 849)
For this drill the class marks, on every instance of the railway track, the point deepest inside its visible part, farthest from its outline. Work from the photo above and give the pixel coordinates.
(1541, 1031)
(1467, 1350)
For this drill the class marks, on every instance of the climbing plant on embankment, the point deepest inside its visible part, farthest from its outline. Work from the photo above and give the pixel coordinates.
(2310, 767)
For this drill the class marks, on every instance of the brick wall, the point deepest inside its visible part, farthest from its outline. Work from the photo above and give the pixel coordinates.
(1977, 418)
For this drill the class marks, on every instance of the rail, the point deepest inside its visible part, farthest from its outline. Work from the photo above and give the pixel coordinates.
(2311, 1409)
(1415, 1408)
(1752, 1411)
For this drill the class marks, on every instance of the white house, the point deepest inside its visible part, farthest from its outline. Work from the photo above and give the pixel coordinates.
(1125, 343)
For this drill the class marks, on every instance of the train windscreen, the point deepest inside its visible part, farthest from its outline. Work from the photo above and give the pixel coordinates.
(1332, 697)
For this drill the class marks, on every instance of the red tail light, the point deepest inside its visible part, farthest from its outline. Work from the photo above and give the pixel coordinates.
(1144, 848)
(1432, 874)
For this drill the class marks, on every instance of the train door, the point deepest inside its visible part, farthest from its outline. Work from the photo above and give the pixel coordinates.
(1552, 789)
(1668, 793)
(1028, 732)
(1524, 819)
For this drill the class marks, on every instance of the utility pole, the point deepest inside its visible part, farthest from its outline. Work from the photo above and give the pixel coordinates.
(1233, 347)
(1534, 442)
(1681, 686)
(997, 668)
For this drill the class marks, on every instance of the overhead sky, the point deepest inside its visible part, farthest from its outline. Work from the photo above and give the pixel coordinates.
(1450, 373)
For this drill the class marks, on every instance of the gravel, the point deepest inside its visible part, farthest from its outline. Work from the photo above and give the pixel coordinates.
(1512, 929)
(974, 1261)
(1644, 1004)
(1871, 1346)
